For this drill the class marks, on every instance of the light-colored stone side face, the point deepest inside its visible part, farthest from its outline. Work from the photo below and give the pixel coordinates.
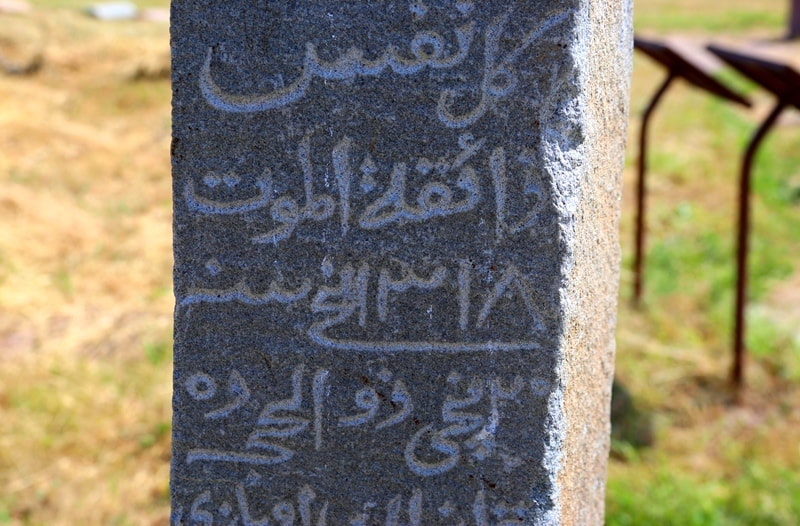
(395, 260)
(591, 282)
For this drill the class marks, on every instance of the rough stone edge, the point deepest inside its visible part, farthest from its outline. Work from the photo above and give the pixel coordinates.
(603, 55)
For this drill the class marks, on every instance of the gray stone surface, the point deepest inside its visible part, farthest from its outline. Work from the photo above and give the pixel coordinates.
(395, 260)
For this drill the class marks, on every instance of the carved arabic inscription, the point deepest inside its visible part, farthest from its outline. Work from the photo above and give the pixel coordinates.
(426, 51)
(326, 227)
(467, 429)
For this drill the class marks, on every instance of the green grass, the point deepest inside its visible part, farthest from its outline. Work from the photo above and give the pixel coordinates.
(729, 17)
(713, 462)
(759, 495)
(731, 21)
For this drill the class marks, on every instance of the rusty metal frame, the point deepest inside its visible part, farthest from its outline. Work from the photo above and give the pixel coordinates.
(678, 66)
(784, 82)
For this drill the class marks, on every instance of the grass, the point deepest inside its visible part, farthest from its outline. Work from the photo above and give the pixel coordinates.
(713, 462)
(86, 303)
(85, 272)
(87, 440)
(81, 4)
(730, 17)
(755, 496)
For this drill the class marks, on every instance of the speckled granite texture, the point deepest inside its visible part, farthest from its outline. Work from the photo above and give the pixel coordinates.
(395, 260)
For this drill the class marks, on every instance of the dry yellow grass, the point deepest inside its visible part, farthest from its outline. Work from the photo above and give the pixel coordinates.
(85, 267)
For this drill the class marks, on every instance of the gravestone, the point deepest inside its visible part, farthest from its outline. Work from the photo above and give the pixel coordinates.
(395, 260)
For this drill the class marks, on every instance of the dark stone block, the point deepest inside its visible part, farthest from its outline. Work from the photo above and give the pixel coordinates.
(375, 213)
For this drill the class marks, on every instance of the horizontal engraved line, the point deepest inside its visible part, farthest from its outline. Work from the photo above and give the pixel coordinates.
(211, 455)
(420, 346)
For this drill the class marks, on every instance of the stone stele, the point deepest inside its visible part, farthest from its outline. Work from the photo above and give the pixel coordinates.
(396, 259)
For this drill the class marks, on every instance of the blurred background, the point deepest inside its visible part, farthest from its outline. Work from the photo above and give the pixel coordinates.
(86, 300)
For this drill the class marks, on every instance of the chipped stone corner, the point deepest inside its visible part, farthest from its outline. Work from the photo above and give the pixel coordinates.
(590, 221)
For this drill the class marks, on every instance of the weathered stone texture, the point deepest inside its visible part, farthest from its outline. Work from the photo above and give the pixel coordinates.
(590, 292)
(395, 259)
